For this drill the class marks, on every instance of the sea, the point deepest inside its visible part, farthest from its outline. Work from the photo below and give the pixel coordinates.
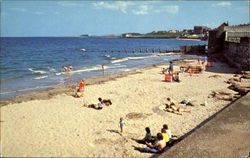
(35, 63)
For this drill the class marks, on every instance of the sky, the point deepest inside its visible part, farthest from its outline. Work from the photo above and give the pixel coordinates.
(37, 18)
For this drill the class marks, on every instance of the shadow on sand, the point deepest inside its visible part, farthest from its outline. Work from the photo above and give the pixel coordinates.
(113, 131)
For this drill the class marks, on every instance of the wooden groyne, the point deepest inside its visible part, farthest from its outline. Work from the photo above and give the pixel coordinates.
(190, 49)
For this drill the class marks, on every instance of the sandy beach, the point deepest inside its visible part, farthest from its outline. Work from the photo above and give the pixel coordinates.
(52, 123)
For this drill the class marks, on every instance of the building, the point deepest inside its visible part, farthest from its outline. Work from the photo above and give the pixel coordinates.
(200, 29)
(128, 35)
(173, 31)
(232, 43)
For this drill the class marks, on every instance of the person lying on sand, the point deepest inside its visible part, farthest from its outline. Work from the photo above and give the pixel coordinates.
(171, 106)
(97, 106)
(154, 148)
(107, 102)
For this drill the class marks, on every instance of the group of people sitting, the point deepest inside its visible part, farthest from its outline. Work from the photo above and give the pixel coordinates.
(158, 143)
(101, 103)
(171, 106)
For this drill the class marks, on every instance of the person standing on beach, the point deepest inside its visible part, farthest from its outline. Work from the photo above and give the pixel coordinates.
(121, 124)
(171, 68)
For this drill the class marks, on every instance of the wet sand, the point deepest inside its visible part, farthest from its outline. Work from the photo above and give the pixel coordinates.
(52, 123)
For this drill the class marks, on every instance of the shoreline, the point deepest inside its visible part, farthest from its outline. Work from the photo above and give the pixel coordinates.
(69, 87)
(45, 87)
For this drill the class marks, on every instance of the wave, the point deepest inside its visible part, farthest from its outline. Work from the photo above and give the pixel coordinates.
(52, 69)
(120, 60)
(37, 71)
(99, 67)
(106, 55)
(41, 77)
(58, 73)
(130, 58)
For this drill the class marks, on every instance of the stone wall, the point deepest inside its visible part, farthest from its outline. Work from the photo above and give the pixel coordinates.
(232, 44)
(215, 41)
(238, 54)
(201, 49)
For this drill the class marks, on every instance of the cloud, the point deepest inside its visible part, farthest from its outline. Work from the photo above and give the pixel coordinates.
(222, 4)
(172, 9)
(56, 13)
(119, 5)
(70, 4)
(39, 13)
(142, 10)
(211, 25)
(19, 9)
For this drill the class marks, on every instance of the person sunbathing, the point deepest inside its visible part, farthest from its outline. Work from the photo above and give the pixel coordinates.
(107, 102)
(171, 106)
(97, 106)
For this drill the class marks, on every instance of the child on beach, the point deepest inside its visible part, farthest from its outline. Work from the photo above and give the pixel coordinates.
(121, 124)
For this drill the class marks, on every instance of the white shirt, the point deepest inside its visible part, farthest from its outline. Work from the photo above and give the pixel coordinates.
(169, 133)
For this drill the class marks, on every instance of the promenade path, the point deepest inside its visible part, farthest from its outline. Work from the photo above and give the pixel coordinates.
(226, 135)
